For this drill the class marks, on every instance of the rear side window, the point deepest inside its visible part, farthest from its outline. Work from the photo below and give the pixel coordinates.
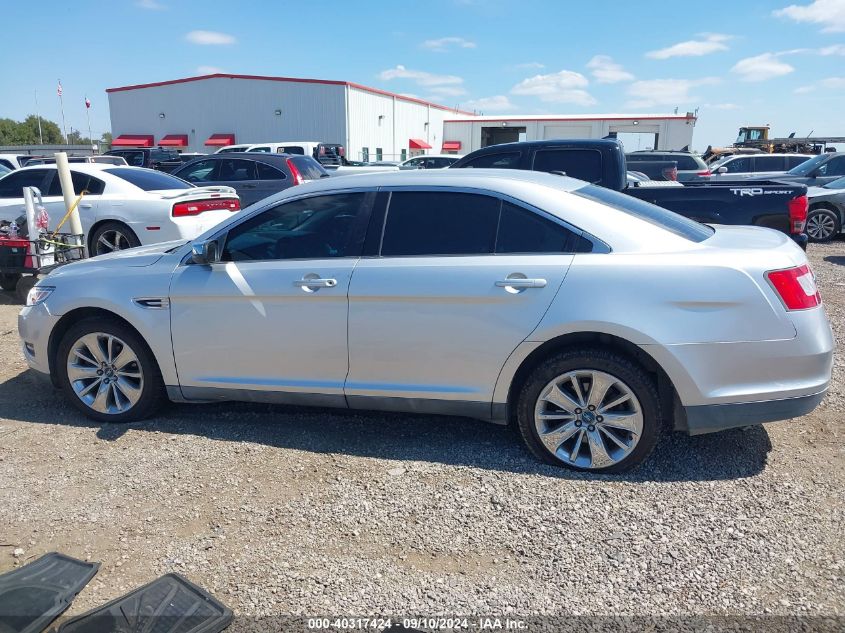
(268, 172)
(435, 223)
(235, 170)
(658, 216)
(584, 164)
(148, 179)
(81, 182)
(794, 161)
(292, 149)
(308, 167)
(523, 231)
(768, 163)
(504, 160)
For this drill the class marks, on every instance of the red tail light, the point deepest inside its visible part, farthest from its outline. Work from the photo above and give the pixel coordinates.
(195, 207)
(706, 172)
(798, 207)
(796, 287)
(670, 173)
(294, 172)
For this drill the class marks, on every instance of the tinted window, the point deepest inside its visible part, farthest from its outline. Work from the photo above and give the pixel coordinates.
(738, 165)
(768, 163)
(261, 149)
(81, 182)
(133, 159)
(807, 166)
(312, 228)
(506, 160)
(685, 162)
(6, 163)
(266, 172)
(308, 167)
(665, 219)
(11, 186)
(794, 161)
(292, 149)
(200, 171)
(834, 167)
(234, 170)
(839, 183)
(440, 163)
(523, 231)
(148, 179)
(584, 164)
(435, 223)
(157, 155)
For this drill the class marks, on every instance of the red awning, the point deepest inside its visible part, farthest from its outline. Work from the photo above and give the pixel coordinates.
(451, 145)
(418, 143)
(174, 140)
(133, 140)
(219, 140)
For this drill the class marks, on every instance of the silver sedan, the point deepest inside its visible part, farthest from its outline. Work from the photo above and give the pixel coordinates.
(588, 318)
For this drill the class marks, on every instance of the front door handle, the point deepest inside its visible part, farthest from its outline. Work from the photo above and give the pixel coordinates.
(85, 205)
(315, 282)
(521, 282)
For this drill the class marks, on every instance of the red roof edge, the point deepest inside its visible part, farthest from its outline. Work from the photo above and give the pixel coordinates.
(330, 82)
(595, 118)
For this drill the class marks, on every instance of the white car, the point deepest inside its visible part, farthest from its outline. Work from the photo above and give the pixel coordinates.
(124, 206)
(233, 148)
(430, 161)
(739, 165)
(14, 161)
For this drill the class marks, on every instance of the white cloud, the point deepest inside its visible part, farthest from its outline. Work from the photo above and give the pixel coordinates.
(490, 105)
(830, 14)
(676, 92)
(835, 49)
(709, 43)
(527, 66)
(762, 67)
(209, 70)
(151, 5)
(607, 71)
(445, 43)
(448, 91)
(419, 76)
(210, 38)
(829, 83)
(565, 86)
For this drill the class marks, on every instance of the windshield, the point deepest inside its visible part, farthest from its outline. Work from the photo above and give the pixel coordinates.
(149, 179)
(839, 183)
(805, 168)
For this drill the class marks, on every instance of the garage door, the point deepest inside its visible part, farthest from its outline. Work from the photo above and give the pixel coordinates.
(567, 131)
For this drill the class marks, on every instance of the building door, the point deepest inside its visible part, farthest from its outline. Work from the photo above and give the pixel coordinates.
(497, 135)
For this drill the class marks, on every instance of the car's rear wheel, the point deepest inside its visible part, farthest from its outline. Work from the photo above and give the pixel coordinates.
(112, 236)
(822, 224)
(590, 409)
(8, 281)
(108, 372)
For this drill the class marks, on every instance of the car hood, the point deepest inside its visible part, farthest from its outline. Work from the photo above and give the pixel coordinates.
(817, 192)
(131, 257)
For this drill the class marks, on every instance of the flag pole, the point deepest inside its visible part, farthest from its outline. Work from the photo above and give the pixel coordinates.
(88, 116)
(62, 105)
(38, 116)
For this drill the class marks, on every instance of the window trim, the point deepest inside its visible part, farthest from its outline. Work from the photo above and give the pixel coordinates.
(599, 246)
(273, 167)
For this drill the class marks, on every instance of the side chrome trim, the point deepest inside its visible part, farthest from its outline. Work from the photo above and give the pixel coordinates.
(152, 303)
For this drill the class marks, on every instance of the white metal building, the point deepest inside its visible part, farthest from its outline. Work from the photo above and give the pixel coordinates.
(636, 131)
(199, 114)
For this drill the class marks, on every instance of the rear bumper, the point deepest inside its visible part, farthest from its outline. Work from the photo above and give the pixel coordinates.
(710, 418)
(801, 239)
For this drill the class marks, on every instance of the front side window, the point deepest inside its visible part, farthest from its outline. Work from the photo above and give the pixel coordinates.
(584, 164)
(201, 171)
(11, 186)
(834, 167)
(504, 160)
(739, 165)
(311, 228)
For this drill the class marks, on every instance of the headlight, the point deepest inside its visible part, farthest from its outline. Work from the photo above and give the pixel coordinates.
(38, 294)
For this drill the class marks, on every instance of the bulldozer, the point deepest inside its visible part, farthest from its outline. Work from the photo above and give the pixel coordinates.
(755, 139)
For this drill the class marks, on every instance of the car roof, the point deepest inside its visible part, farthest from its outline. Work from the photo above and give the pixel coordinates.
(773, 154)
(267, 157)
(90, 168)
(455, 156)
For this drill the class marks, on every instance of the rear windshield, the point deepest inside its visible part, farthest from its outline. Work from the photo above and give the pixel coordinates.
(149, 179)
(665, 219)
(308, 167)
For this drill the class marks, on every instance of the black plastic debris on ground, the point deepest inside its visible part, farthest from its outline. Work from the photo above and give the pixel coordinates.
(32, 596)
(169, 604)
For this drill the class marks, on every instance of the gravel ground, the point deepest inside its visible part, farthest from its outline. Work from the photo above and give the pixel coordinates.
(315, 512)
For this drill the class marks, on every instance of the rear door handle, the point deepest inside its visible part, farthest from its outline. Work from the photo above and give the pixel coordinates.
(315, 283)
(518, 282)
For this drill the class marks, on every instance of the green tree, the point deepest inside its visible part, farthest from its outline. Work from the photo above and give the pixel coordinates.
(26, 132)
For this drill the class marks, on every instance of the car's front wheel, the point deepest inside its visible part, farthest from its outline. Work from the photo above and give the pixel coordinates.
(590, 409)
(822, 224)
(108, 372)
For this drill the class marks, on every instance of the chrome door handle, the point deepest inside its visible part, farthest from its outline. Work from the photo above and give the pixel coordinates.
(85, 205)
(315, 283)
(518, 282)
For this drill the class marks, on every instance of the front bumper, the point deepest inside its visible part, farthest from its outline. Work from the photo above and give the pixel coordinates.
(34, 326)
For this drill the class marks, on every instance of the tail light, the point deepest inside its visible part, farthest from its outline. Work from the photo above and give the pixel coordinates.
(798, 207)
(294, 172)
(706, 172)
(796, 287)
(195, 207)
(670, 173)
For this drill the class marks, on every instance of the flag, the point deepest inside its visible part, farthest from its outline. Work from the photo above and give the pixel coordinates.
(87, 102)
(59, 89)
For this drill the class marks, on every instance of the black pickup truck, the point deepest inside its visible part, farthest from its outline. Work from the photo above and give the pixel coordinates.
(776, 205)
(151, 157)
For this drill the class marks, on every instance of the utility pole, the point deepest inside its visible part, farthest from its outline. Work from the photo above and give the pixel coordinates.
(38, 116)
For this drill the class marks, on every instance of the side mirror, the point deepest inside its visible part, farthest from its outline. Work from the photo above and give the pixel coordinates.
(205, 253)
(722, 170)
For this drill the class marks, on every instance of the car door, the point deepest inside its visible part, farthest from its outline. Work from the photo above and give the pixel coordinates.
(270, 180)
(240, 174)
(268, 321)
(11, 190)
(460, 280)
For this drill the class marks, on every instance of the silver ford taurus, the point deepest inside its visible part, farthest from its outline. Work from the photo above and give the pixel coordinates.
(590, 319)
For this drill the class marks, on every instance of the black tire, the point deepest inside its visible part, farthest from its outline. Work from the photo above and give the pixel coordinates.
(827, 215)
(128, 238)
(617, 365)
(152, 390)
(24, 285)
(8, 281)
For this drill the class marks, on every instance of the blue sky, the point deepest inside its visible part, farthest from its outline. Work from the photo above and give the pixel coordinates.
(780, 62)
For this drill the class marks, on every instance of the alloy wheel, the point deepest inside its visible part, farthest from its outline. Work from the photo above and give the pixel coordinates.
(110, 241)
(105, 373)
(820, 226)
(588, 419)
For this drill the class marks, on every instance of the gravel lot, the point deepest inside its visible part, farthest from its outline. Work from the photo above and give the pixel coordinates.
(317, 512)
